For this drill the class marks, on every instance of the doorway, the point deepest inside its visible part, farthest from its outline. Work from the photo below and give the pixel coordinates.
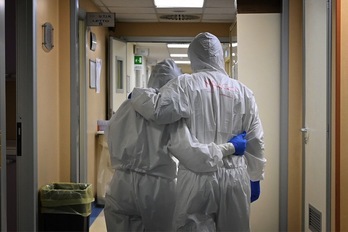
(317, 120)
(8, 117)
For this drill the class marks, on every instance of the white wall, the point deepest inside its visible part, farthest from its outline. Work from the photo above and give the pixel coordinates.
(259, 38)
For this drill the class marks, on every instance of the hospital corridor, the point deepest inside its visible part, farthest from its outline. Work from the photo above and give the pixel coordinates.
(149, 114)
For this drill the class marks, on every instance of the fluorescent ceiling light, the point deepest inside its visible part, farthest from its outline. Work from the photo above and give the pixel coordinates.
(178, 45)
(234, 44)
(178, 55)
(182, 62)
(179, 3)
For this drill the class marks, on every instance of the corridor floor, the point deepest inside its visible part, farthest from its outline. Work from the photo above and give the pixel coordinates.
(97, 220)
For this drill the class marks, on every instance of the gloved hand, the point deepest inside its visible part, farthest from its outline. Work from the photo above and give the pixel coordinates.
(255, 190)
(239, 143)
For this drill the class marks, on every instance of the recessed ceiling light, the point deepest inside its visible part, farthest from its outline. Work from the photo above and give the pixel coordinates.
(182, 62)
(178, 55)
(179, 3)
(178, 45)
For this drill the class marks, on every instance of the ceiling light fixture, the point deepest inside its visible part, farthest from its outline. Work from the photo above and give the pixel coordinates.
(182, 62)
(179, 3)
(178, 45)
(178, 55)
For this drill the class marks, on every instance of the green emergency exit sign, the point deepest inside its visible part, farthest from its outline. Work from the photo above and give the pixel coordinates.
(138, 60)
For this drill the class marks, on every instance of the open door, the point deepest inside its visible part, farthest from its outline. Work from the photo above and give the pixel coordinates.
(117, 74)
(26, 116)
(317, 129)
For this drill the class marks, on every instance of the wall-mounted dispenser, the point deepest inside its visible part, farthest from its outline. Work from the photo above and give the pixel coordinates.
(47, 40)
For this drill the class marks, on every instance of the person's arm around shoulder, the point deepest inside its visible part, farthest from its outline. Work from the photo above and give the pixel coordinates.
(143, 101)
(164, 107)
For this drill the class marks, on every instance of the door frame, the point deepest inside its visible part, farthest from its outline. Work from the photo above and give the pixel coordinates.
(329, 115)
(26, 116)
(78, 99)
(74, 94)
(284, 119)
(83, 87)
(3, 178)
(328, 122)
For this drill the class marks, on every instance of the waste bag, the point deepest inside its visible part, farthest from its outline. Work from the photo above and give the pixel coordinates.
(65, 206)
(105, 172)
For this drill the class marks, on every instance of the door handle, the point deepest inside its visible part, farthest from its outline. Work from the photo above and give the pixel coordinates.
(19, 139)
(305, 132)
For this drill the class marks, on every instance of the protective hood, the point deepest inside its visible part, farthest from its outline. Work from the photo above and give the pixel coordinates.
(163, 72)
(205, 53)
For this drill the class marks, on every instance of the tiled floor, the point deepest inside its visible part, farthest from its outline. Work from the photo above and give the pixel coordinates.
(98, 224)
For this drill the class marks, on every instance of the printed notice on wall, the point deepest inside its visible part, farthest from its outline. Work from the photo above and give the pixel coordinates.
(92, 73)
(100, 19)
(98, 71)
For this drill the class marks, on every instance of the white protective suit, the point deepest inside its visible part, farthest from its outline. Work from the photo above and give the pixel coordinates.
(141, 194)
(215, 108)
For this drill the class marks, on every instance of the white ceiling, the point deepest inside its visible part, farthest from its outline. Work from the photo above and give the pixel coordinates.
(213, 11)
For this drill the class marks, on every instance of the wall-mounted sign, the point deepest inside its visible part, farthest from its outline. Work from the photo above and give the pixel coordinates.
(100, 19)
(142, 51)
(138, 60)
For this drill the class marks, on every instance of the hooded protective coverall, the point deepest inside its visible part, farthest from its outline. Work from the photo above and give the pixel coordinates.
(141, 194)
(215, 108)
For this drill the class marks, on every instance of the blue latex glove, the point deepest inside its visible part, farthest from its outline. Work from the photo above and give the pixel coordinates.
(239, 142)
(255, 190)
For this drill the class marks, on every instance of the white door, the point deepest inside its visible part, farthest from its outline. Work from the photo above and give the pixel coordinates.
(117, 74)
(316, 205)
(3, 220)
